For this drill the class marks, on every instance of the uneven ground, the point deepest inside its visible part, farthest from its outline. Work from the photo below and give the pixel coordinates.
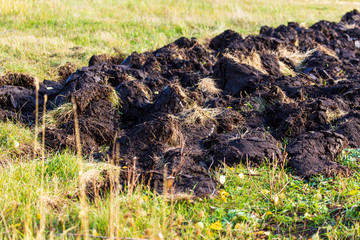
(283, 103)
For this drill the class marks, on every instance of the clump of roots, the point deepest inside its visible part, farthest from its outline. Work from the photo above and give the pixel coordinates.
(60, 115)
(253, 59)
(208, 85)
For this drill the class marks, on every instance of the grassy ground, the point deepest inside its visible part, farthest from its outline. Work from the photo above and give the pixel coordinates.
(40, 199)
(253, 203)
(37, 36)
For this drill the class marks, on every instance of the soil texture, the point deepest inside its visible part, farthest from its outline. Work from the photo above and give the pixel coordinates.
(175, 114)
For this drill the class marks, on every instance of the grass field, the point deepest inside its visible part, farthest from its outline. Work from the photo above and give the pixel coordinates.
(37, 36)
(39, 199)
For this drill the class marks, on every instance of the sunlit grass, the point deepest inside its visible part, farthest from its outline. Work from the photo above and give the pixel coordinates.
(16, 142)
(37, 36)
(252, 203)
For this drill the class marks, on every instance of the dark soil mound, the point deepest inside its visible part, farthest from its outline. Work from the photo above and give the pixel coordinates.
(235, 78)
(314, 152)
(66, 70)
(184, 172)
(17, 79)
(186, 108)
(254, 147)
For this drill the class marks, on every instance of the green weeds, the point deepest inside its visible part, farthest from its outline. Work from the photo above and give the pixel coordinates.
(263, 202)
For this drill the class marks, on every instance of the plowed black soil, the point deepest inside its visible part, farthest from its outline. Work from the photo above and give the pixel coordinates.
(290, 90)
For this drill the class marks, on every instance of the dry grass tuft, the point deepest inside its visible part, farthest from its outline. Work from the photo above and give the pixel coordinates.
(295, 56)
(332, 115)
(5, 159)
(90, 176)
(276, 94)
(94, 172)
(115, 99)
(60, 115)
(55, 202)
(327, 51)
(179, 197)
(303, 25)
(179, 90)
(351, 26)
(298, 58)
(97, 179)
(285, 69)
(253, 59)
(175, 136)
(198, 116)
(208, 85)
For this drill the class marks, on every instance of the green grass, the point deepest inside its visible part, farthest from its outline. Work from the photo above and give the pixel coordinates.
(15, 142)
(38, 36)
(253, 203)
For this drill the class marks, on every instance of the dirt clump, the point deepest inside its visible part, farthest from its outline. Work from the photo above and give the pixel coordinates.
(60, 139)
(171, 100)
(292, 119)
(315, 152)
(222, 41)
(349, 126)
(66, 70)
(352, 17)
(17, 99)
(17, 79)
(184, 173)
(254, 147)
(235, 77)
(146, 141)
(99, 59)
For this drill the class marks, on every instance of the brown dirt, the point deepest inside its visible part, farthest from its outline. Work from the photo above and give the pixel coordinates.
(66, 70)
(314, 152)
(17, 79)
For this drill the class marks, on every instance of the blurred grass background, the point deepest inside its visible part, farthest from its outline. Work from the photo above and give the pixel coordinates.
(37, 36)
